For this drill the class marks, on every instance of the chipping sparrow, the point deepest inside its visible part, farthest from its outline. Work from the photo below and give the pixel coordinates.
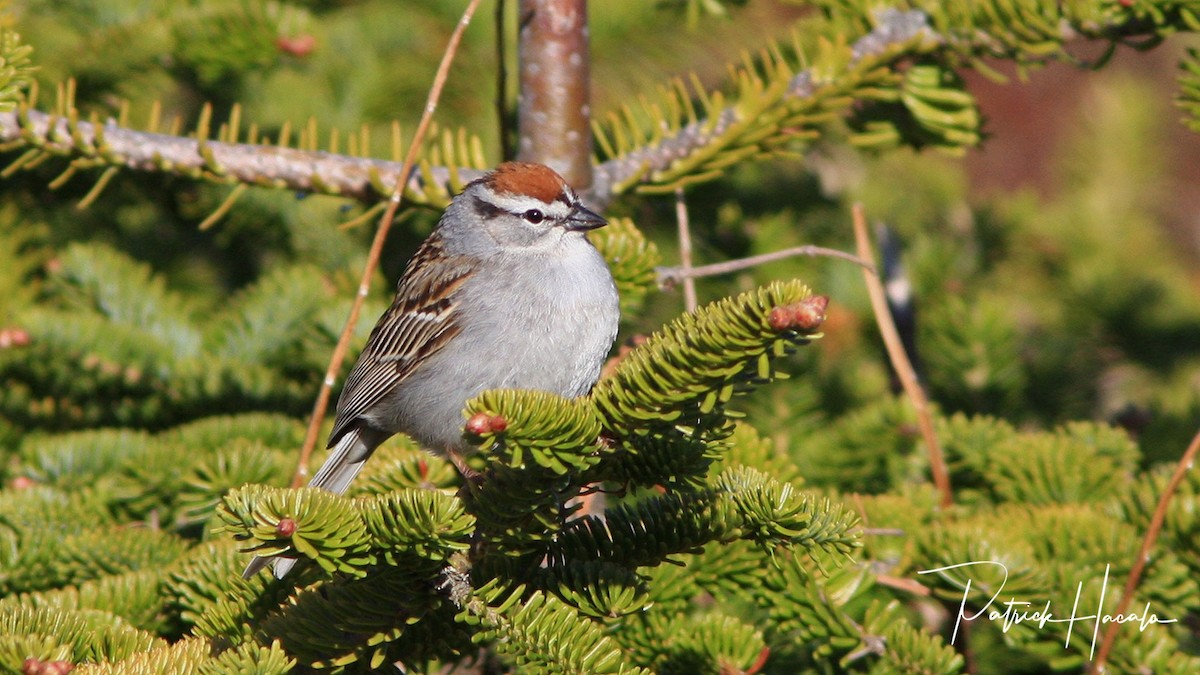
(507, 292)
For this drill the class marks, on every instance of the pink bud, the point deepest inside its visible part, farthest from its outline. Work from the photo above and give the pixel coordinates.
(479, 424)
(299, 45)
(780, 319)
(14, 337)
(810, 313)
(805, 316)
(34, 666)
(285, 528)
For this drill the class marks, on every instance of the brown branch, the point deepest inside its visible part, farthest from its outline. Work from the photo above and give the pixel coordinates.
(385, 223)
(1143, 555)
(904, 368)
(893, 27)
(554, 126)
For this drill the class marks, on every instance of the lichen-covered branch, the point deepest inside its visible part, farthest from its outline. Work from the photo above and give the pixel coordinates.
(254, 164)
(688, 136)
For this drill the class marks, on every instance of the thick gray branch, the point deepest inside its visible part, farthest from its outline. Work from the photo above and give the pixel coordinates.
(280, 167)
(314, 171)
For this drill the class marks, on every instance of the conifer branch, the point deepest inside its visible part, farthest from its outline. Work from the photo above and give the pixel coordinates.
(274, 166)
(709, 143)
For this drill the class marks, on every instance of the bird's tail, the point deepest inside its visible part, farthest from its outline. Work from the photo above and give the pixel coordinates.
(346, 460)
(343, 464)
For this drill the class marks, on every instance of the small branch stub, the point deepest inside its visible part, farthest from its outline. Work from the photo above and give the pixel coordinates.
(805, 316)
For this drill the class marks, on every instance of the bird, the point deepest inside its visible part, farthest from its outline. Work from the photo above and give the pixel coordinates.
(506, 292)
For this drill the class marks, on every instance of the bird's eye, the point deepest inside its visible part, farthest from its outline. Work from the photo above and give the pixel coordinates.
(534, 216)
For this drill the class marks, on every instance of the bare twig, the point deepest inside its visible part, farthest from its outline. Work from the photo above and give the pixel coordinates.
(672, 275)
(685, 251)
(904, 368)
(385, 223)
(1143, 555)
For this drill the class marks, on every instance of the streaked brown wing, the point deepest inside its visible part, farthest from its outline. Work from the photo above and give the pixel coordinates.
(417, 325)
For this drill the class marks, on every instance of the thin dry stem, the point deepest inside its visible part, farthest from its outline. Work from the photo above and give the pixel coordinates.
(385, 223)
(672, 275)
(904, 368)
(1143, 555)
(910, 586)
(685, 251)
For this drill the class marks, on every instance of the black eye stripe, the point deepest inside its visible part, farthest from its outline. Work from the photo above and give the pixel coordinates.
(487, 209)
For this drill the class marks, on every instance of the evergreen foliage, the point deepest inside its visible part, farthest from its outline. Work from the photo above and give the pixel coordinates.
(159, 350)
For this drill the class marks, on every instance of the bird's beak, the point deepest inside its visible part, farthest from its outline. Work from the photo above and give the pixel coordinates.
(582, 219)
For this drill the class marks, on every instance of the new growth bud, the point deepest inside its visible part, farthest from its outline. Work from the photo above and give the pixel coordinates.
(286, 527)
(805, 316)
(483, 423)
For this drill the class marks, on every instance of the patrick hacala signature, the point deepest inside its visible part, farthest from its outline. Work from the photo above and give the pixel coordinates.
(1014, 612)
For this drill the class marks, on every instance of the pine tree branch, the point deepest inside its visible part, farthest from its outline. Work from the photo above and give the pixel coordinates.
(253, 164)
(889, 42)
(369, 179)
(895, 28)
